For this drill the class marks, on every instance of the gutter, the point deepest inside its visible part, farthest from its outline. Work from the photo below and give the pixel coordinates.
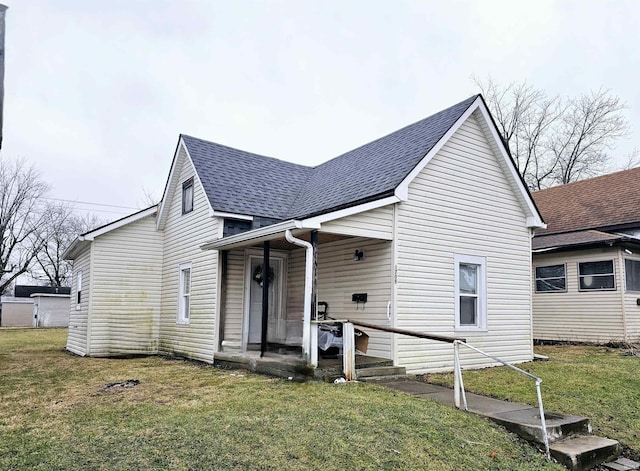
(308, 286)
(262, 234)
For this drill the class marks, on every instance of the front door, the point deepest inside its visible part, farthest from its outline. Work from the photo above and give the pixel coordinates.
(276, 331)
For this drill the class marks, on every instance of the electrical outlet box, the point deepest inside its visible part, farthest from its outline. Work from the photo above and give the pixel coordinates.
(359, 297)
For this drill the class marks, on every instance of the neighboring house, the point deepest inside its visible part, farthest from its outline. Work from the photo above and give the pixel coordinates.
(428, 228)
(35, 306)
(587, 261)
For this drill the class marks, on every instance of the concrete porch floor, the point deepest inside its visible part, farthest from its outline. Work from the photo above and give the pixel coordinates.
(292, 365)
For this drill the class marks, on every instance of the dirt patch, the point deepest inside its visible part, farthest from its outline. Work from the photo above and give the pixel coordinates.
(130, 383)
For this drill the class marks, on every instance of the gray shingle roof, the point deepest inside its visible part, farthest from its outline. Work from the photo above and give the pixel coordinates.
(244, 183)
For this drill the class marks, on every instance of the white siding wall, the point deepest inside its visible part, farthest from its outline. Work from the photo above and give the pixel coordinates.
(183, 236)
(376, 223)
(78, 319)
(234, 301)
(462, 203)
(125, 307)
(588, 316)
(339, 276)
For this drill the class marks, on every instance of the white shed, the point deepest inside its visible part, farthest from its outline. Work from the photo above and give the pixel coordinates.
(50, 310)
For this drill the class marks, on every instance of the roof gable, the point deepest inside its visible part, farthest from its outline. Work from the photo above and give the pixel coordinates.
(601, 202)
(244, 183)
(241, 182)
(374, 169)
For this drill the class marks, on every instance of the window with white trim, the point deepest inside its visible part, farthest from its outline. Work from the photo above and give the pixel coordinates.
(184, 294)
(470, 292)
(187, 196)
(78, 290)
(596, 276)
(551, 278)
(632, 274)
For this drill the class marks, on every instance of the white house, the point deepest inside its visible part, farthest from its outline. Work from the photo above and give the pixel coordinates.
(427, 229)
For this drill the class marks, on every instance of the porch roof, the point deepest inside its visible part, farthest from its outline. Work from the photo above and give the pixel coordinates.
(262, 234)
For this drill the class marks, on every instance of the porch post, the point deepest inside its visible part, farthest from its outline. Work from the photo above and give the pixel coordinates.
(266, 270)
(314, 286)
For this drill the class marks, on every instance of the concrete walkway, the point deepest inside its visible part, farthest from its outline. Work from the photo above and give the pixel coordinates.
(571, 442)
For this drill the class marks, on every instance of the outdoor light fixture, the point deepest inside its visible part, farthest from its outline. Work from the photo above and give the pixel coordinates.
(358, 256)
(628, 252)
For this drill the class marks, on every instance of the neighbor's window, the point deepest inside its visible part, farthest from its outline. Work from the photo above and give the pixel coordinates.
(632, 274)
(597, 275)
(187, 196)
(551, 278)
(184, 296)
(78, 289)
(470, 309)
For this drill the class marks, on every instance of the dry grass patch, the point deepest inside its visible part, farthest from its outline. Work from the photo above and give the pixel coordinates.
(56, 414)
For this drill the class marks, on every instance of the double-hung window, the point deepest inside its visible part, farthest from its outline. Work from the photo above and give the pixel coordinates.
(78, 290)
(184, 294)
(187, 196)
(596, 276)
(551, 278)
(470, 292)
(632, 274)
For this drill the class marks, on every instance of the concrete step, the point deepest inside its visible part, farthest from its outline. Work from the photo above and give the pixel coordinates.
(584, 452)
(526, 423)
(384, 379)
(381, 371)
(622, 464)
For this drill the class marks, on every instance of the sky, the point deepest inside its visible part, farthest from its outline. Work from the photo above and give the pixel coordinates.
(97, 93)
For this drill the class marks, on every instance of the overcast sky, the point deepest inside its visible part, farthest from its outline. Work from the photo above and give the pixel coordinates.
(96, 93)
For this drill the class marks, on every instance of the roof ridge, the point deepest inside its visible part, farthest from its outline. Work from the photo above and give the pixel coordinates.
(235, 149)
(587, 180)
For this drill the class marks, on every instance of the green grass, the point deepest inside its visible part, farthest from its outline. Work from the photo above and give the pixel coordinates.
(54, 414)
(601, 383)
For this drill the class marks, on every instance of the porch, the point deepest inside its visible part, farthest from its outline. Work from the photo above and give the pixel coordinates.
(292, 366)
(276, 282)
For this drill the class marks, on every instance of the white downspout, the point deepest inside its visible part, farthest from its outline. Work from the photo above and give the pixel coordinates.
(308, 285)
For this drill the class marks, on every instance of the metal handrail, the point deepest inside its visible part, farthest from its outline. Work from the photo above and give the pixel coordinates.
(459, 385)
(458, 388)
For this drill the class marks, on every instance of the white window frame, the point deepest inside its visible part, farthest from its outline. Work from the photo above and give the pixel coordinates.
(184, 315)
(481, 295)
(613, 273)
(536, 278)
(626, 277)
(187, 201)
(79, 290)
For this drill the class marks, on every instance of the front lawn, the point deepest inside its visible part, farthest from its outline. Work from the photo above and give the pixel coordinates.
(55, 413)
(601, 383)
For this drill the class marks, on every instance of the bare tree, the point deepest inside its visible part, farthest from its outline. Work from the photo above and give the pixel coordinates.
(21, 218)
(555, 140)
(60, 228)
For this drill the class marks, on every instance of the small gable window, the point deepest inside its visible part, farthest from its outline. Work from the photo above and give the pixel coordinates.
(187, 196)
(597, 276)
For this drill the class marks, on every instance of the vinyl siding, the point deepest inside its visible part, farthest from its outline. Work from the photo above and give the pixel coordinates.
(376, 223)
(589, 316)
(462, 203)
(125, 308)
(234, 301)
(183, 235)
(78, 319)
(339, 276)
